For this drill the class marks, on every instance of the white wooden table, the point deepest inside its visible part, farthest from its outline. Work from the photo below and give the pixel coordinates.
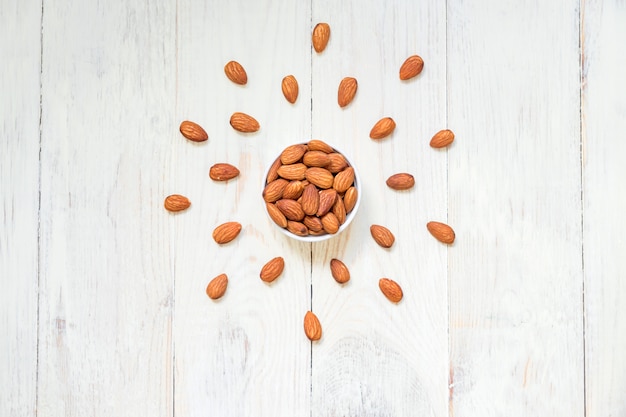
(102, 303)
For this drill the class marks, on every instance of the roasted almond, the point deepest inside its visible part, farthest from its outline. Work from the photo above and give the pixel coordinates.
(320, 37)
(276, 215)
(442, 139)
(310, 200)
(336, 163)
(321, 177)
(315, 159)
(235, 72)
(350, 198)
(312, 326)
(330, 223)
(383, 128)
(274, 190)
(176, 202)
(244, 123)
(401, 181)
(339, 271)
(347, 91)
(193, 131)
(223, 172)
(411, 67)
(272, 269)
(292, 154)
(290, 88)
(313, 223)
(297, 228)
(292, 171)
(291, 209)
(344, 180)
(441, 231)
(327, 200)
(390, 289)
(293, 190)
(226, 232)
(382, 235)
(339, 210)
(217, 286)
(319, 145)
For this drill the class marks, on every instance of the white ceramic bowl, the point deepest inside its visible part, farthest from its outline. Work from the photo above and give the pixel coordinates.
(349, 217)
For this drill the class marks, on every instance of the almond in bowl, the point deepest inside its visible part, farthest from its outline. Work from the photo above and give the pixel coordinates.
(311, 191)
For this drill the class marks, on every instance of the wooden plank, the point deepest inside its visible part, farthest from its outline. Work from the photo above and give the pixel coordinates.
(604, 120)
(109, 78)
(20, 49)
(246, 354)
(515, 202)
(375, 357)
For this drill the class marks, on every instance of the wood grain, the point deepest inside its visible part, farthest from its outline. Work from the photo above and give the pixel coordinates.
(108, 126)
(375, 357)
(246, 354)
(515, 202)
(604, 121)
(20, 23)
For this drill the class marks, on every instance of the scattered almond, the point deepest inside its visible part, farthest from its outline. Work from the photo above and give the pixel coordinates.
(244, 123)
(401, 181)
(312, 326)
(411, 67)
(176, 202)
(390, 289)
(441, 231)
(382, 236)
(339, 271)
(290, 88)
(226, 232)
(217, 287)
(223, 172)
(272, 269)
(442, 139)
(383, 128)
(320, 37)
(347, 91)
(193, 131)
(235, 72)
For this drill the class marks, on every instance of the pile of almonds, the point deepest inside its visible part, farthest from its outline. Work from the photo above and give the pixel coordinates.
(310, 188)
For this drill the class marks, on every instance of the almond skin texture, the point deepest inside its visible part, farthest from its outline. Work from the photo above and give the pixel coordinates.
(321, 177)
(315, 159)
(312, 326)
(411, 67)
(390, 289)
(291, 209)
(314, 224)
(290, 88)
(274, 190)
(319, 145)
(442, 139)
(330, 223)
(272, 269)
(344, 180)
(349, 199)
(223, 172)
(244, 123)
(292, 154)
(235, 72)
(382, 236)
(401, 181)
(383, 128)
(320, 37)
(272, 174)
(297, 228)
(337, 163)
(217, 287)
(293, 190)
(310, 200)
(327, 200)
(347, 91)
(193, 131)
(276, 215)
(339, 271)
(292, 172)
(441, 231)
(226, 232)
(176, 202)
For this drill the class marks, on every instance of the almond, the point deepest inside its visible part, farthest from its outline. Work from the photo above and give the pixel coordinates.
(321, 177)
(339, 271)
(310, 200)
(272, 174)
(339, 210)
(315, 159)
(291, 209)
(312, 326)
(297, 228)
(217, 286)
(317, 232)
(274, 190)
(290, 88)
(235, 72)
(176, 202)
(350, 198)
(314, 224)
(441, 231)
(411, 67)
(401, 181)
(442, 139)
(319, 145)
(383, 128)
(293, 171)
(223, 172)
(344, 180)
(390, 289)
(336, 163)
(193, 131)
(320, 37)
(382, 235)
(292, 154)
(244, 123)
(330, 223)
(272, 269)
(276, 215)
(347, 91)
(226, 232)
(327, 200)
(293, 190)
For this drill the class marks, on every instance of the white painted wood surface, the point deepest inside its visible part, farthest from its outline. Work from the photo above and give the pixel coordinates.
(103, 309)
